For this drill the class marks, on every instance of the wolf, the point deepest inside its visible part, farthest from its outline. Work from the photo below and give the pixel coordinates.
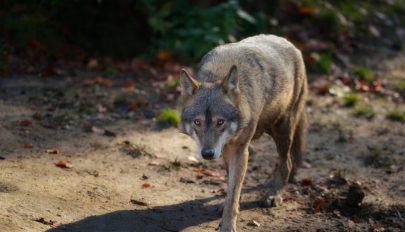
(240, 91)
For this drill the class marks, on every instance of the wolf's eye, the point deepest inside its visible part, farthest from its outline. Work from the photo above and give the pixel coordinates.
(220, 122)
(197, 122)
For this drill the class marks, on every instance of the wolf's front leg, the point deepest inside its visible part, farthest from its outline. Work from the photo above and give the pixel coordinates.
(236, 160)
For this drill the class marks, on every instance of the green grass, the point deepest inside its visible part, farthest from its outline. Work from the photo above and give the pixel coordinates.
(396, 116)
(376, 159)
(350, 100)
(364, 73)
(325, 63)
(169, 117)
(173, 83)
(399, 85)
(363, 112)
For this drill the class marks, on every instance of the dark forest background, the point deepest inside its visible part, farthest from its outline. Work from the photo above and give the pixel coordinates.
(48, 33)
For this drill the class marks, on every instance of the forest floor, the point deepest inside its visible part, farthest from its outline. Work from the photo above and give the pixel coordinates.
(74, 159)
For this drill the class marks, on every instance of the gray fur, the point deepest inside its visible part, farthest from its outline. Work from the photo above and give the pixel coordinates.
(258, 84)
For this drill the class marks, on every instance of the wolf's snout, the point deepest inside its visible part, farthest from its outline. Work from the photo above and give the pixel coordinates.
(208, 153)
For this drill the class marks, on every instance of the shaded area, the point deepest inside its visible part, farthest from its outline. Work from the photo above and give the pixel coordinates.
(175, 217)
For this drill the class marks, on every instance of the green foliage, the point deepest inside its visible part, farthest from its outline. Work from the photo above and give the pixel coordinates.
(364, 73)
(169, 117)
(324, 63)
(396, 116)
(191, 31)
(363, 112)
(172, 83)
(350, 100)
(400, 85)
(187, 29)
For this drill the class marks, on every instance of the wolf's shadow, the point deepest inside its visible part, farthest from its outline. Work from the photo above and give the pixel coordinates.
(174, 217)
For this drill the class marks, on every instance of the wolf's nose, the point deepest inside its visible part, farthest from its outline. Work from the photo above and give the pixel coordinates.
(207, 154)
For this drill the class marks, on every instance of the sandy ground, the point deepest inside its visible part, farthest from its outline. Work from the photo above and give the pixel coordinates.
(148, 179)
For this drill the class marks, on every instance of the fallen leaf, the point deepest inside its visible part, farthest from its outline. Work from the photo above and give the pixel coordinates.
(215, 182)
(320, 86)
(186, 180)
(51, 223)
(145, 185)
(93, 63)
(376, 228)
(319, 204)
(125, 142)
(376, 86)
(38, 116)
(97, 130)
(374, 31)
(164, 55)
(100, 131)
(362, 86)
(63, 164)
(345, 79)
(134, 105)
(129, 85)
(207, 172)
(137, 202)
(306, 181)
(351, 224)
(25, 123)
(28, 146)
(53, 151)
(98, 80)
(153, 163)
(306, 10)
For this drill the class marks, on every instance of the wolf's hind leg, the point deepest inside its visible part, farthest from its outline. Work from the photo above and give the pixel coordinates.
(283, 136)
(299, 144)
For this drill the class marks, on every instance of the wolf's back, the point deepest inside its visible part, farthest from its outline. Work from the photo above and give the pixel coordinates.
(270, 68)
(263, 53)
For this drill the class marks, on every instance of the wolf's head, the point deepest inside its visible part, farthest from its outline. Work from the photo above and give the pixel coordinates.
(210, 112)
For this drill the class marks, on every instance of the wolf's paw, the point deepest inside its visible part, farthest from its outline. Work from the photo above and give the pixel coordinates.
(227, 230)
(270, 201)
(227, 227)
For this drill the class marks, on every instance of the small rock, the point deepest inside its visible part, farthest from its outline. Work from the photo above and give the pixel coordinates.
(305, 164)
(137, 202)
(109, 133)
(53, 151)
(253, 223)
(351, 224)
(193, 159)
(212, 182)
(186, 180)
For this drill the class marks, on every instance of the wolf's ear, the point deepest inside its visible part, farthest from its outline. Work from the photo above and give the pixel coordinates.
(188, 84)
(230, 84)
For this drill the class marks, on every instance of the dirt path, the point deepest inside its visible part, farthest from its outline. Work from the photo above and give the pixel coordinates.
(138, 178)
